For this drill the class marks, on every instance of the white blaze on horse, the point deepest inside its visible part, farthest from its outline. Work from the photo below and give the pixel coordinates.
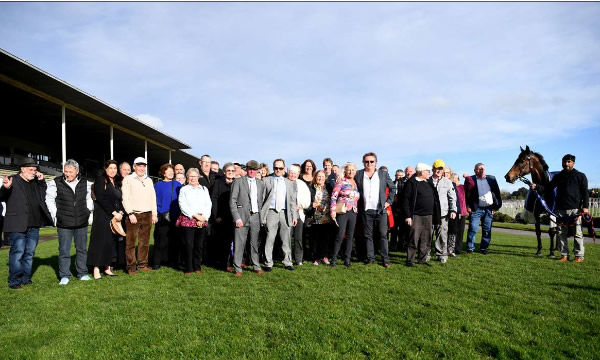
(529, 162)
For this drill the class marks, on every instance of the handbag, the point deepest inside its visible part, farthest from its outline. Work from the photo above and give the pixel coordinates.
(340, 208)
(184, 221)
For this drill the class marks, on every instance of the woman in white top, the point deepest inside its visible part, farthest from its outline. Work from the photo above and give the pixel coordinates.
(195, 205)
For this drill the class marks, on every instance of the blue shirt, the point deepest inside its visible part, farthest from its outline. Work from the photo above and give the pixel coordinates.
(166, 195)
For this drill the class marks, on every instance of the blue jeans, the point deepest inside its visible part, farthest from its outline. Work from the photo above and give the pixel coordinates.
(485, 215)
(20, 257)
(65, 236)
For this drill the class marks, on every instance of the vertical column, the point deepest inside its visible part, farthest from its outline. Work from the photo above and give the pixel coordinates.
(64, 134)
(146, 156)
(112, 149)
(170, 156)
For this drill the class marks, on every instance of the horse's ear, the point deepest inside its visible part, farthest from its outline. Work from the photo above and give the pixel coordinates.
(527, 148)
(521, 148)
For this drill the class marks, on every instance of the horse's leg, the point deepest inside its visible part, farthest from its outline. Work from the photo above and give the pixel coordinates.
(538, 234)
(553, 237)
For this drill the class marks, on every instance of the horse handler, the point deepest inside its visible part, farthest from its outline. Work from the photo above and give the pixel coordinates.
(571, 195)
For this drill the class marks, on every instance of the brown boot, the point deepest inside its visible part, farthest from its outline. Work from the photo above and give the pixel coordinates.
(563, 259)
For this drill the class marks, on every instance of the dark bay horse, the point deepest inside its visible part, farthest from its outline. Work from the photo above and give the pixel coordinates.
(529, 162)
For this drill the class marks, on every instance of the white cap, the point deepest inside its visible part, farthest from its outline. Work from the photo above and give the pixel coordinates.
(140, 160)
(422, 167)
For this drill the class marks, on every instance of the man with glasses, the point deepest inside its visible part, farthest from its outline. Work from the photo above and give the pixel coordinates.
(373, 201)
(139, 202)
(483, 199)
(279, 213)
(207, 176)
(447, 198)
(245, 203)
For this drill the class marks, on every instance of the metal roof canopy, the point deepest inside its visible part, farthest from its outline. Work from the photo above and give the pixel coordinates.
(23, 75)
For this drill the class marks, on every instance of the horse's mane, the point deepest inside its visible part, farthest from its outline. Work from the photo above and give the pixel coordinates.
(542, 161)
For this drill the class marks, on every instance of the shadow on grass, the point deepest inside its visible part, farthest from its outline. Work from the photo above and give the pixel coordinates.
(577, 287)
(51, 261)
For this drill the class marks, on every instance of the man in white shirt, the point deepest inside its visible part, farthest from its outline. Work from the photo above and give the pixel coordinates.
(483, 199)
(372, 205)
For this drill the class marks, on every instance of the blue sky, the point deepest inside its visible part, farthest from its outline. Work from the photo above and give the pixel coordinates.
(464, 82)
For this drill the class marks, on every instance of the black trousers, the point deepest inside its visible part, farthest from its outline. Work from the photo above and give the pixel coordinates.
(193, 244)
(163, 232)
(375, 229)
(346, 223)
(299, 241)
(321, 236)
(224, 235)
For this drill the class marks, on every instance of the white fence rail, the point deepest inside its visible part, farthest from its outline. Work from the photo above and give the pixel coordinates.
(514, 207)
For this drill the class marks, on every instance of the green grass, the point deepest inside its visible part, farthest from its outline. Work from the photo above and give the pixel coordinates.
(508, 304)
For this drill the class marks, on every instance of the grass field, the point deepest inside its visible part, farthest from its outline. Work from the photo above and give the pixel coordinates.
(508, 304)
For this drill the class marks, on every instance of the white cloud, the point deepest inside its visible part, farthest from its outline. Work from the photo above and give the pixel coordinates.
(150, 120)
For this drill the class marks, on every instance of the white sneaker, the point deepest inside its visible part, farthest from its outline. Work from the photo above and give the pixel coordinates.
(300, 263)
(85, 278)
(316, 262)
(64, 281)
(443, 260)
(325, 261)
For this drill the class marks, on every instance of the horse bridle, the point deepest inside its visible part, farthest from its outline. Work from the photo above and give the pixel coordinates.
(523, 178)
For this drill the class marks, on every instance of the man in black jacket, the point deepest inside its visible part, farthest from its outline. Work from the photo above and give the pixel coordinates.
(26, 212)
(572, 198)
(421, 207)
(372, 205)
(70, 203)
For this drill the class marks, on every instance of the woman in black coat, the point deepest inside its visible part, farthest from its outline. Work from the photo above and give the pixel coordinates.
(221, 216)
(106, 206)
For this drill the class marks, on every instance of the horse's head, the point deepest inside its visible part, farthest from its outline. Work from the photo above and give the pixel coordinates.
(521, 167)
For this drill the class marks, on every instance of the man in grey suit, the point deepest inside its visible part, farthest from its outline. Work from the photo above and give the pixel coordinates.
(279, 213)
(245, 203)
(372, 205)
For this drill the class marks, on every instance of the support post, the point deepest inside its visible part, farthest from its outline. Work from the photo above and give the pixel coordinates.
(112, 141)
(64, 134)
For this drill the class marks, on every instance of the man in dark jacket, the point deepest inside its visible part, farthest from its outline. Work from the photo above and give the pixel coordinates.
(70, 203)
(483, 199)
(572, 198)
(421, 208)
(372, 205)
(26, 212)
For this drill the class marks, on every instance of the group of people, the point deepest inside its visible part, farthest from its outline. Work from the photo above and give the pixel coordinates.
(324, 211)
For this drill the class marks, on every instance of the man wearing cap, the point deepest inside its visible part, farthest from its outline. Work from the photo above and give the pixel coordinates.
(139, 202)
(447, 198)
(373, 201)
(483, 199)
(279, 213)
(70, 203)
(571, 196)
(421, 208)
(245, 203)
(26, 212)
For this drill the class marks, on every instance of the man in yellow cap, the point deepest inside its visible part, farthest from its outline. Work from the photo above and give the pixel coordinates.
(447, 196)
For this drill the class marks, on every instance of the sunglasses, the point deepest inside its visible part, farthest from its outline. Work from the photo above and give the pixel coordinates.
(278, 168)
(369, 161)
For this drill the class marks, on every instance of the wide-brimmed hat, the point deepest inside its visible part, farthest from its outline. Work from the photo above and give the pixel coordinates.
(27, 162)
(116, 227)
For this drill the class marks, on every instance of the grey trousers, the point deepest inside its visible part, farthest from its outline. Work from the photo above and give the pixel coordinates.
(241, 235)
(276, 221)
(65, 236)
(419, 238)
(563, 235)
(440, 234)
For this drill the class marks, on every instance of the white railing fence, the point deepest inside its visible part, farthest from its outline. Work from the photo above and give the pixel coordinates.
(514, 207)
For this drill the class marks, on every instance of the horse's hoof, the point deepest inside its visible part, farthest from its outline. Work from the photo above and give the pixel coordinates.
(538, 253)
